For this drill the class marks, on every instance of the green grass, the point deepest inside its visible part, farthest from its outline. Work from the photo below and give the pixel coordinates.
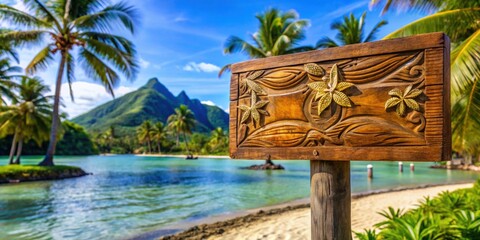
(37, 173)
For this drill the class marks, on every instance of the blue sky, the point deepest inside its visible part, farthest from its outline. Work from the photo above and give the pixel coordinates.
(180, 42)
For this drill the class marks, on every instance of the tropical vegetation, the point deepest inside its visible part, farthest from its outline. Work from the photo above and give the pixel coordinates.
(350, 31)
(69, 31)
(451, 215)
(278, 33)
(182, 122)
(27, 118)
(460, 20)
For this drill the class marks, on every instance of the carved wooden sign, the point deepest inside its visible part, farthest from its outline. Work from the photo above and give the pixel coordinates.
(385, 100)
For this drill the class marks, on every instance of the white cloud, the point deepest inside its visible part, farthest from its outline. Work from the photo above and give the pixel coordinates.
(201, 67)
(87, 96)
(209, 103)
(180, 18)
(144, 63)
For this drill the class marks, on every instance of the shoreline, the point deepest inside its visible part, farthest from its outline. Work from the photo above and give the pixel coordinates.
(215, 226)
(181, 156)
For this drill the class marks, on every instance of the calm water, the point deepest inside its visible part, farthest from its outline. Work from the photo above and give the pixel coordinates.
(130, 195)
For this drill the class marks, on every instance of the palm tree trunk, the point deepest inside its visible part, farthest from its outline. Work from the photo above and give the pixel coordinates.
(149, 146)
(48, 160)
(19, 150)
(159, 147)
(186, 142)
(12, 149)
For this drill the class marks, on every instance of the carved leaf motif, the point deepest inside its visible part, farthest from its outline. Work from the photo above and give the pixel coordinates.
(255, 75)
(333, 77)
(412, 104)
(344, 85)
(314, 69)
(392, 102)
(403, 100)
(260, 104)
(255, 116)
(245, 116)
(401, 109)
(396, 92)
(317, 86)
(414, 93)
(341, 99)
(324, 102)
(254, 86)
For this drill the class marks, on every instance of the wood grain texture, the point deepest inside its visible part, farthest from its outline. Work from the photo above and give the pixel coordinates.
(389, 103)
(330, 200)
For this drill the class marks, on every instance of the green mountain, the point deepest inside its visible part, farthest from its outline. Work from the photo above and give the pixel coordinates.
(150, 102)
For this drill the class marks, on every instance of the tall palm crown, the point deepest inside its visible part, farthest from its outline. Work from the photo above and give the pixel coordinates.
(145, 132)
(460, 20)
(159, 133)
(350, 31)
(28, 118)
(74, 28)
(279, 33)
(182, 121)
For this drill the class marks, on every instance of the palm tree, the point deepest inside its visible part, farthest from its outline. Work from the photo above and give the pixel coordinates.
(66, 28)
(279, 33)
(144, 133)
(159, 133)
(350, 31)
(6, 80)
(182, 121)
(218, 139)
(28, 117)
(460, 20)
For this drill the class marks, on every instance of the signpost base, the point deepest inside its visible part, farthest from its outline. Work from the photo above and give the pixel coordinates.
(330, 200)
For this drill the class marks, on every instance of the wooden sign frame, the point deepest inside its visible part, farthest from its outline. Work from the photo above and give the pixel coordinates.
(388, 100)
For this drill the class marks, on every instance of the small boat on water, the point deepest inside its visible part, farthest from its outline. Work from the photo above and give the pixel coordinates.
(191, 157)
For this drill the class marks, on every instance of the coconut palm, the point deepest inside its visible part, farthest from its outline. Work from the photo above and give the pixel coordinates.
(279, 33)
(66, 30)
(144, 133)
(460, 20)
(182, 122)
(350, 31)
(159, 134)
(218, 139)
(28, 118)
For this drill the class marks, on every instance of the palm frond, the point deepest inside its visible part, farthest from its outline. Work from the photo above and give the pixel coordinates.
(326, 42)
(70, 64)
(96, 69)
(23, 38)
(464, 61)
(119, 14)
(41, 61)
(371, 36)
(118, 42)
(235, 44)
(14, 16)
(123, 61)
(226, 68)
(455, 23)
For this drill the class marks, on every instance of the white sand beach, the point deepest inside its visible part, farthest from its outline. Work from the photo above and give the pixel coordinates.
(295, 224)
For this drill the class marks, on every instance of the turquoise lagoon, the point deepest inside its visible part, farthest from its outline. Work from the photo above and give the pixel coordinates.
(129, 195)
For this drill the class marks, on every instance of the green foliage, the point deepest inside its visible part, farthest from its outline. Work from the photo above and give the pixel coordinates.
(350, 31)
(450, 215)
(30, 173)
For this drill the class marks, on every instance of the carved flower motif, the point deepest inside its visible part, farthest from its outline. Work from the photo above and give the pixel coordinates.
(251, 85)
(329, 91)
(254, 110)
(403, 100)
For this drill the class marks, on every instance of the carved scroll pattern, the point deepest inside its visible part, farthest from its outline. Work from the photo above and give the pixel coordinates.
(293, 117)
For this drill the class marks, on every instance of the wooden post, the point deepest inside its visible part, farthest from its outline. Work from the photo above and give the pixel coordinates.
(370, 171)
(330, 200)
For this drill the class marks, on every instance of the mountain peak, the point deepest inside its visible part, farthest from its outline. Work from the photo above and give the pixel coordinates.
(152, 82)
(183, 98)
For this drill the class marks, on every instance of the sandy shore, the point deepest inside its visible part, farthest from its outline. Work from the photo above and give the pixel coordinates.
(179, 155)
(294, 222)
